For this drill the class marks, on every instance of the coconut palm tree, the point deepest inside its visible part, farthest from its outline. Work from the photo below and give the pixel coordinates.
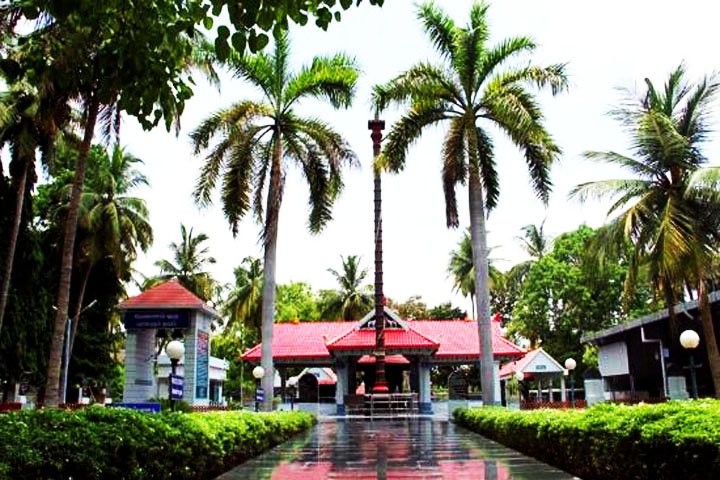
(670, 208)
(191, 258)
(30, 118)
(352, 301)
(258, 140)
(473, 87)
(462, 271)
(112, 224)
(242, 307)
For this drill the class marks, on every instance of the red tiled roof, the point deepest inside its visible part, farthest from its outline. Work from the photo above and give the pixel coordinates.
(459, 338)
(452, 338)
(390, 360)
(168, 294)
(300, 340)
(395, 338)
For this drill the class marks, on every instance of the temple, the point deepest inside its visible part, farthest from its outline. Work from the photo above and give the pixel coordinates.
(412, 348)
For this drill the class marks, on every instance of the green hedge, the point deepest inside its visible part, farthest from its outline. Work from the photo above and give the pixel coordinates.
(674, 440)
(100, 443)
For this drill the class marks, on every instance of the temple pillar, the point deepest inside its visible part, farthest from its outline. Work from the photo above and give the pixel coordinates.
(425, 400)
(341, 386)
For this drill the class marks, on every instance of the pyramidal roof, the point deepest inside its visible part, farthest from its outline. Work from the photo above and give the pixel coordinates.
(170, 294)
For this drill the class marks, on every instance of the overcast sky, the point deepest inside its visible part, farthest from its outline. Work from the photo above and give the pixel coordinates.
(607, 45)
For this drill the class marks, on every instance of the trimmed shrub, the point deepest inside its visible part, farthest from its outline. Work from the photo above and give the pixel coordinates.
(663, 441)
(100, 443)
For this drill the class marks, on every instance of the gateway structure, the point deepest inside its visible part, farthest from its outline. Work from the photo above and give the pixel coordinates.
(166, 311)
(412, 346)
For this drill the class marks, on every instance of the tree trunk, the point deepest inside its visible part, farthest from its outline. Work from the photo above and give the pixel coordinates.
(10, 258)
(478, 237)
(709, 333)
(56, 347)
(78, 308)
(268, 298)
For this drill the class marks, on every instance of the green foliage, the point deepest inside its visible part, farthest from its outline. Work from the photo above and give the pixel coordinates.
(665, 441)
(353, 300)
(254, 20)
(191, 258)
(296, 301)
(567, 293)
(413, 308)
(446, 311)
(102, 443)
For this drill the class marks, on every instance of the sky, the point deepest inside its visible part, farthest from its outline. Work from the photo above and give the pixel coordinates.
(608, 46)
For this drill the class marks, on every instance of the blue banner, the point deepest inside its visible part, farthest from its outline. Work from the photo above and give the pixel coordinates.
(177, 384)
(259, 395)
(157, 319)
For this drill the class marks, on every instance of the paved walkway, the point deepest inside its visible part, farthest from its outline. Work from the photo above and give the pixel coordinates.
(392, 449)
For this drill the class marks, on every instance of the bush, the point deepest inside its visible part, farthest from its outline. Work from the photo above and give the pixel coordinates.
(100, 443)
(663, 441)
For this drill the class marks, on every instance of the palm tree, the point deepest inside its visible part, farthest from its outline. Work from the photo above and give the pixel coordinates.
(462, 271)
(112, 224)
(352, 301)
(534, 240)
(474, 87)
(30, 118)
(243, 304)
(188, 266)
(258, 140)
(670, 209)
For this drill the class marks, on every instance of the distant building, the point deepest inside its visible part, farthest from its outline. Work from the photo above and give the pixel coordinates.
(639, 358)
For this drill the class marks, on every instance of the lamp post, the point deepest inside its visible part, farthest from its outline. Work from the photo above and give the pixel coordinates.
(258, 372)
(570, 364)
(689, 339)
(175, 350)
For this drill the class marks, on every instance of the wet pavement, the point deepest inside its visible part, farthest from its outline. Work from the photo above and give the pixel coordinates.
(392, 449)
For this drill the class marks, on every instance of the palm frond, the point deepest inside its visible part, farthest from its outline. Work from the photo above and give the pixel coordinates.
(440, 28)
(454, 168)
(405, 132)
(330, 78)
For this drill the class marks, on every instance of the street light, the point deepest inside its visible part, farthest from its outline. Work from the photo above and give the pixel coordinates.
(689, 339)
(570, 364)
(258, 372)
(175, 350)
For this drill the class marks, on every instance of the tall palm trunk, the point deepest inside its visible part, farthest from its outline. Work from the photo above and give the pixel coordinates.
(478, 236)
(12, 245)
(709, 332)
(56, 347)
(268, 298)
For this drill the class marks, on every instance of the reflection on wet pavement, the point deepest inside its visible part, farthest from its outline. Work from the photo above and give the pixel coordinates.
(392, 449)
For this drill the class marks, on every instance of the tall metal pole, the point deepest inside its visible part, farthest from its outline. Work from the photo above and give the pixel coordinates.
(376, 126)
(66, 362)
(693, 378)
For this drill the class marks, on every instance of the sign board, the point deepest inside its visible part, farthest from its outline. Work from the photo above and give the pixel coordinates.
(202, 364)
(176, 387)
(142, 406)
(259, 395)
(157, 318)
(613, 359)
